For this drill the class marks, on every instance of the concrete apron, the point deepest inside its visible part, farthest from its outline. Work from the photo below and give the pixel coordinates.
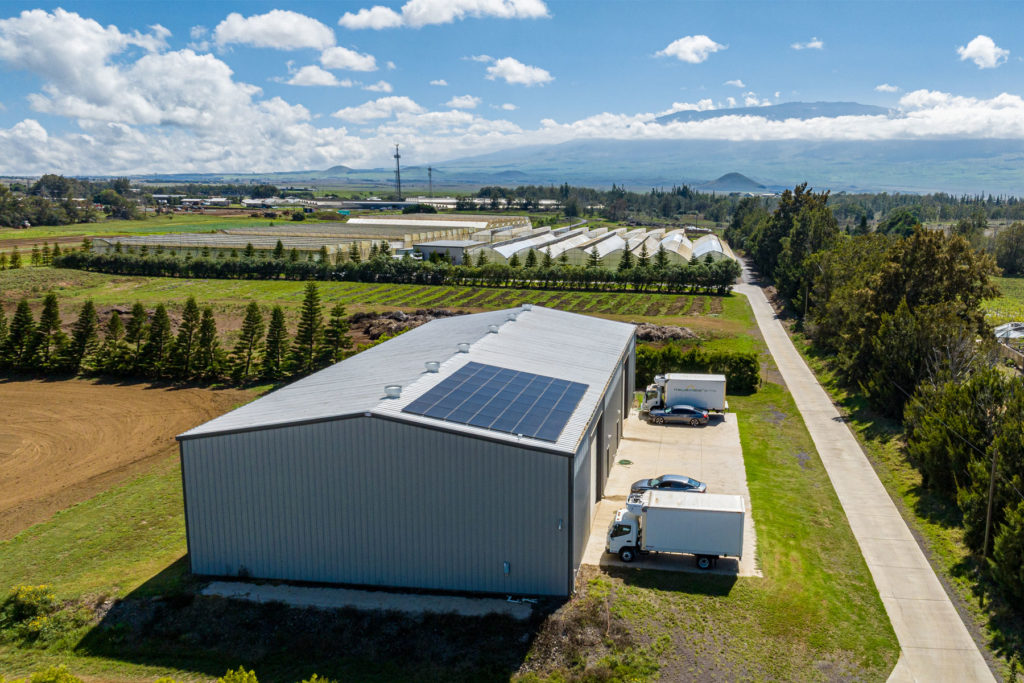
(711, 454)
(935, 644)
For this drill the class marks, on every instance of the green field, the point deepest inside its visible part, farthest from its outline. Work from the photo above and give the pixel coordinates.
(149, 226)
(1010, 306)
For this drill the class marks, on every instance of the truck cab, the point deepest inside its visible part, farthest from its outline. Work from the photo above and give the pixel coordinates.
(623, 535)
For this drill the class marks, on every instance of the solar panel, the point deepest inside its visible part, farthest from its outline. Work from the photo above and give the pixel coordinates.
(502, 400)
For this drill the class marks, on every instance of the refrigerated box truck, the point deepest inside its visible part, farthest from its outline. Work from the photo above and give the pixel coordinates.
(686, 389)
(706, 525)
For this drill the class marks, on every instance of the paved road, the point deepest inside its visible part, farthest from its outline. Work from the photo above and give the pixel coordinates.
(936, 645)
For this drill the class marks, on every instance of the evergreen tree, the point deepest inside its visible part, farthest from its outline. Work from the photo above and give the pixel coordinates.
(547, 261)
(514, 261)
(3, 261)
(137, 333)
(661, 257)
(56, 251)
(353, 253)
(336, 340)
(50, 340)
(185, 345)
(593, 259)
(112, 351)
(21, 337)
(3, 333)
(531, 259)
(250, 251)
(563, 258)
(209, 356)
(643, 257)
(118, 248)
(481, 258)
(309, 333)
(373, 251)
(36, 258)
(84, 337)
(626, 262)
(385, 248)
(156, 352)
(324, 256)
(276, 346)
(279, 250)
(250, 340)
(15, 259)
(46, 258)
(293, 255)
(234, 253)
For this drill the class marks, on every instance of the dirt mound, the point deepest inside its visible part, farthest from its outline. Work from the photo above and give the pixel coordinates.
(62, 442)
(376, 325)
(660, 333)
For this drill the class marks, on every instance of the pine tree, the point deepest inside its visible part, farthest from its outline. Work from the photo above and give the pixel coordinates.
(385, 248)
(514, 261)
(644, 257)
(36, 257)
(15, 259)
(84, 338)
(661, 257)
(3, 261)
(250, 251)
(309, 333)
(325, 258)
(234, 253)
(209, 356)
(279, 250)
(293, 255)
(593, 259)
(113, 349)
(56, 252)
(137, 333)
(531, 259)
(21, 337)
(563, 258)
(185, 345)
(118, 248)
(46, 254)
(547, 261)
(373, 251)
(50, 339)
(481, 258)
(276, 346)
(336, 340)
(626, 262)
(156, 352)
(353, 253)
(250, 339)
(3, 334)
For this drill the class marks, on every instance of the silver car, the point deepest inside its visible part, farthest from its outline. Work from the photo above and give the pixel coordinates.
(681, 414)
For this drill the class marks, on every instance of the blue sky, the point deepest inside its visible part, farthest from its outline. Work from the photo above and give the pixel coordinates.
(125, 87)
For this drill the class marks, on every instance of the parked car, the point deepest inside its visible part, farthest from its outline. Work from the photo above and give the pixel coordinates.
(669, 482)
(682, 414)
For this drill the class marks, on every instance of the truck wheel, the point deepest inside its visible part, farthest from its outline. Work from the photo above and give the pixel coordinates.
(704, 561)
(694, 422)
(659, 420)
(627, 554)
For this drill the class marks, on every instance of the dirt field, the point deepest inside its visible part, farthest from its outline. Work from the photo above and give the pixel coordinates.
(62, 442)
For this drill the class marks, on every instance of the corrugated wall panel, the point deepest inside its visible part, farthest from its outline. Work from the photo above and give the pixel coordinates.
(582, 493)
(371, 501)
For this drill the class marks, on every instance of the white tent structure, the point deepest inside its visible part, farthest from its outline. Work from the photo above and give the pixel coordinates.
(712, 244)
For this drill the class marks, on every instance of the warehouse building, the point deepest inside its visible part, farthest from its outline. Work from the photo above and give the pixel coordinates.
(465, 455)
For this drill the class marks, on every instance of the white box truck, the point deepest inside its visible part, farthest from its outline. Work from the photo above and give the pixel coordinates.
(707, 525)
(686, 389)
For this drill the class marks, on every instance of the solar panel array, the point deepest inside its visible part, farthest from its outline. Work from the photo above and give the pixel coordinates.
(503, 400)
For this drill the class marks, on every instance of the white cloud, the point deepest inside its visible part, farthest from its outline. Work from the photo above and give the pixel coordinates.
(513, 71)
(280, 29)
(440, 82)
(419, 13)
(777, 94)
(484, 59)
(751, 99)
(736, 82)
(508, 106)
(197, 32)
(692, 49)
(703, 105)
(812, 44)
(343, 58)
(984, 52)
(731, 102)
(379, 86)
(885, 87)
(382, 108)
(376, 18)
(463, 102)
(391, 65)
(314, 75)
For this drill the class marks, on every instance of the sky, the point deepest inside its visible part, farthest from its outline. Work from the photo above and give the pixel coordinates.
(109, 87)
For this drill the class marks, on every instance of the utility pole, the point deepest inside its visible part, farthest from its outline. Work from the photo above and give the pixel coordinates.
(398, 173)
(430, 180)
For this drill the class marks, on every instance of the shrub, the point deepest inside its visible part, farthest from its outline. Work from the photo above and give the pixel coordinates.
(239, 676)
(742, 370)
(54, 674)
(27, 603)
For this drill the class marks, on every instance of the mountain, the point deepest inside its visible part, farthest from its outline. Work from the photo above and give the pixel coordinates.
(781, 112)
(732, 182)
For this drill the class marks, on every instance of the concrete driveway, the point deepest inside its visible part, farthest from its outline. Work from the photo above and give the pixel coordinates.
(711, 454)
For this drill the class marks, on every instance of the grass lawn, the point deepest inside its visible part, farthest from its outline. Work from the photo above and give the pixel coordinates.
(153, 225)
(933, 518)
(1010, 306)
(815, 615)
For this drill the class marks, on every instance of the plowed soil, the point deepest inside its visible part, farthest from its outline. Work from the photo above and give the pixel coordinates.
(62, 442)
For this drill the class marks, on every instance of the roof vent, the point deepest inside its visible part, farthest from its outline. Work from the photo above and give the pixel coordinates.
(511, 317)
(393, 390)
(433, 365)
(463, 347)
(493, 329)
(527, 307)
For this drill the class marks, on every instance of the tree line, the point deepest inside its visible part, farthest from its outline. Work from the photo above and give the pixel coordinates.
(634, 274)
(742, 370)
(900, 315)
(149, 345)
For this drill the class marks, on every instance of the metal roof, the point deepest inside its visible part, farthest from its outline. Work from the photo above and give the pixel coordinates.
(438, 244)
(1013, 330)
(543, 341)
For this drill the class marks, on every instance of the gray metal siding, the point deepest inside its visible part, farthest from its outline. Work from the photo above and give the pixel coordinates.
(376, 502)
(582, 491)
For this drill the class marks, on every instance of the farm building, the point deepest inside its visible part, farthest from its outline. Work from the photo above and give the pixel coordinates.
(436, 221)
(453, 251)
(215, 244)
(466, 455)
(711, 244)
